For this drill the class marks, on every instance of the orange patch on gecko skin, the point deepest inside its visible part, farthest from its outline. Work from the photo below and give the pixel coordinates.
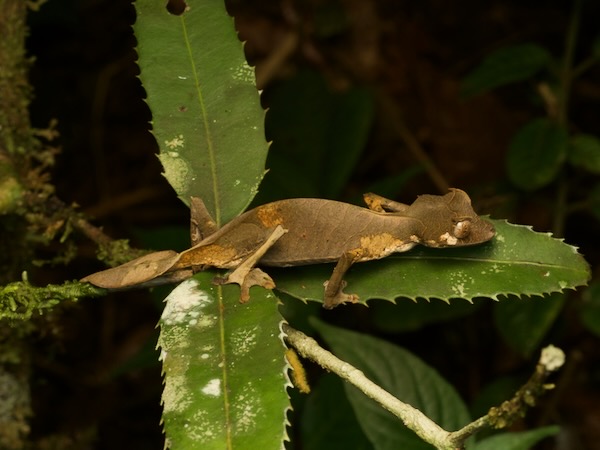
(380, 245)
(269, 216)
(212, 255)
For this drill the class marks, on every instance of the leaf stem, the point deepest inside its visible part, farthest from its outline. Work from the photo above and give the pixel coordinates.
(566, 75)
(566, 78)
(209, 139)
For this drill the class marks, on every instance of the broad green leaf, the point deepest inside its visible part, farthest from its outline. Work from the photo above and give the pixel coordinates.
(584, 152)
(517, 261)
(523, 323)
(523, 440)
(223, 367)
(590, 308)
(506, 65)
(318, 136)
(403, 375)
(328, 420)
(536, 154)
(206, 113)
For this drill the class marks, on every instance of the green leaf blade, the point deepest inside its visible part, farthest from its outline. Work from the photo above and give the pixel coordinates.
(524, 324)
(403, 375)
(504, 66)
(318, 136)
(328, 420)
(518, 261)
(222, 363)
(524, 440)
(584, 152)
(536, 154)
(206, 111)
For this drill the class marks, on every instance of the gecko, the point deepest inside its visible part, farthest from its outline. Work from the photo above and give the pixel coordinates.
(304, 231)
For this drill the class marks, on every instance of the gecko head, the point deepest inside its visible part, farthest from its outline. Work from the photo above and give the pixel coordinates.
(449, 220)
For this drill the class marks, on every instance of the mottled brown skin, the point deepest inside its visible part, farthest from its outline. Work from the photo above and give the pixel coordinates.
(309, 231)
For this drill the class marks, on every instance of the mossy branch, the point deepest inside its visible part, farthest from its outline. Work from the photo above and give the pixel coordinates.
(20, 300)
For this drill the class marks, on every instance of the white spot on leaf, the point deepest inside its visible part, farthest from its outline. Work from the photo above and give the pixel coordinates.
(246, 408)
(175, 394)
(212, 388)
(243, 340)
(185, 303)
(203, 427)
(176, 142)
(177, 170)
(243, 73)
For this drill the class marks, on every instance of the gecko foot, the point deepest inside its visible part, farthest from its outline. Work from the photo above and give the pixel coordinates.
(254, 277)
(339, 298)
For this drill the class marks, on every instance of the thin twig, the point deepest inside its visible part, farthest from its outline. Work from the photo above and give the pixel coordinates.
(552, 358)
(414, 419)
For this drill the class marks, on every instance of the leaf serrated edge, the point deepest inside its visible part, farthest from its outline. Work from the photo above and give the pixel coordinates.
(287, 385)
(544, 233)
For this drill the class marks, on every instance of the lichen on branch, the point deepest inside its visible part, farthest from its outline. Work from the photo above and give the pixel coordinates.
(20, 300)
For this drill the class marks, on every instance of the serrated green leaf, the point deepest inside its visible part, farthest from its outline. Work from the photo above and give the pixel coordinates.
(206, 112)
(523, 323)
(222, 363)
(536, 154)
(517, 261)
(524, 440)
(584, 152)
(506, 65)
(318, 136)
(403, 375)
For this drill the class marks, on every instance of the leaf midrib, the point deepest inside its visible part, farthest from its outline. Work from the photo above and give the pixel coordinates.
(507, 262)
(209, 140)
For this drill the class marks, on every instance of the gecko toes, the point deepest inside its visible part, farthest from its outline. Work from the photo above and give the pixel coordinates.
(339, 298)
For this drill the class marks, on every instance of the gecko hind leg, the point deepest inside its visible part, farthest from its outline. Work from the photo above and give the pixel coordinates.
(382, 204)
(246, 275)
(334, 287)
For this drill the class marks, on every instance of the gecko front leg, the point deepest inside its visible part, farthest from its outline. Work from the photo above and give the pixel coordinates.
(246, 275)
(334, 294)
(382, 204)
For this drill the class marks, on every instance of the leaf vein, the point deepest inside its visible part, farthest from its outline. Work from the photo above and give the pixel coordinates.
(205, 123)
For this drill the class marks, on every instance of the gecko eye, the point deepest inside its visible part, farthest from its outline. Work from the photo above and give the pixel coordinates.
(462, 229)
